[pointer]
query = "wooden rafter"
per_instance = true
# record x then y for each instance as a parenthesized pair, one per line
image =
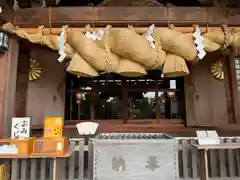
(38, 3)
(141, 30)
(130, 3)
(138, 16)
(7, 12)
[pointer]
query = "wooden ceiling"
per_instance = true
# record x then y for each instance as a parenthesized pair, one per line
(47, 3)
(149, 11)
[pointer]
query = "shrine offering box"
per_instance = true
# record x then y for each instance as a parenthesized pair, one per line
(134, 156)
(50, 146)
(16, 147)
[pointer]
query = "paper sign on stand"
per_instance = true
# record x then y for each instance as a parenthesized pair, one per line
(208, 137)
(20, 127)
(213, 137)
(87, 128)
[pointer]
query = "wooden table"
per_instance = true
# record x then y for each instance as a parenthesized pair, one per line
(54, 158)
(203, 171)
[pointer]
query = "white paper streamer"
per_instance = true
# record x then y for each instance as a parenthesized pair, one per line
(199, 43)
(62, 47)
(149, 36)
(15, 5)
(95, 35)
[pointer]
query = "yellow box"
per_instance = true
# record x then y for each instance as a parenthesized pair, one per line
(53, 126)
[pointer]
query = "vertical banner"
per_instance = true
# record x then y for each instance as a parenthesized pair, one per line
(53, 126)
(20, 127)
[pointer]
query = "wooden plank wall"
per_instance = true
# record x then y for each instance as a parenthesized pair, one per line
(224, 164)
(22, 79)
(43, 96)
(206, 101)
(8, 76)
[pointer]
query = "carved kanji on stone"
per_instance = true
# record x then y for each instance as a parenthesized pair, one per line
(118, 163)
(152, 163)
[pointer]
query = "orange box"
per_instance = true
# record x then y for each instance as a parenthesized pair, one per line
(50, 146)
(16, 147)
(53, 126)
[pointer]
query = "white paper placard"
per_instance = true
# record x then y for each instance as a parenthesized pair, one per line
(20, 127)
(202, 137)
(208, 137)
(213, 137)
(87, 128)
(8, 149)
(172, 84)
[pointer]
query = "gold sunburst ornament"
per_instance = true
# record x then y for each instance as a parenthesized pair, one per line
(35, 70)
(217, 70)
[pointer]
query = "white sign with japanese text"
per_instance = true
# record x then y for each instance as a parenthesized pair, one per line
(208, 137)
(20, 127)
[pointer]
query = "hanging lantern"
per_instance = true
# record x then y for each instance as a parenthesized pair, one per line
(78, 97)
(3, 41)
(171, 94)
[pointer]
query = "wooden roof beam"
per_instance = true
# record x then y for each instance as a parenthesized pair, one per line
(117, 16)
(7, 13)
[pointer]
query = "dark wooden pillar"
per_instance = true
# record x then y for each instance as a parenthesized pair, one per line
(8, 75)
(22, 79)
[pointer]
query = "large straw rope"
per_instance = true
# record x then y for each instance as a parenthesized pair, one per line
(171, 41)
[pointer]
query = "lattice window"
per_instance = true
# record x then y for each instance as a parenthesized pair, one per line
(237, 67)
(114, 97)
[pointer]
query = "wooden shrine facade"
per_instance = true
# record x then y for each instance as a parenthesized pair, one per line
(209, 103)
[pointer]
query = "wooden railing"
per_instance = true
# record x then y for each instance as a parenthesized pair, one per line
(71, 168)
(224, 164)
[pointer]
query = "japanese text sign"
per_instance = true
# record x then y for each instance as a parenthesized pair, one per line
(20, 127)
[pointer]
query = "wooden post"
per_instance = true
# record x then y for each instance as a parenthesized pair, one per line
(55, 169)
(4, 172)
(22, 79)
(8, 75)
(203, 165)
